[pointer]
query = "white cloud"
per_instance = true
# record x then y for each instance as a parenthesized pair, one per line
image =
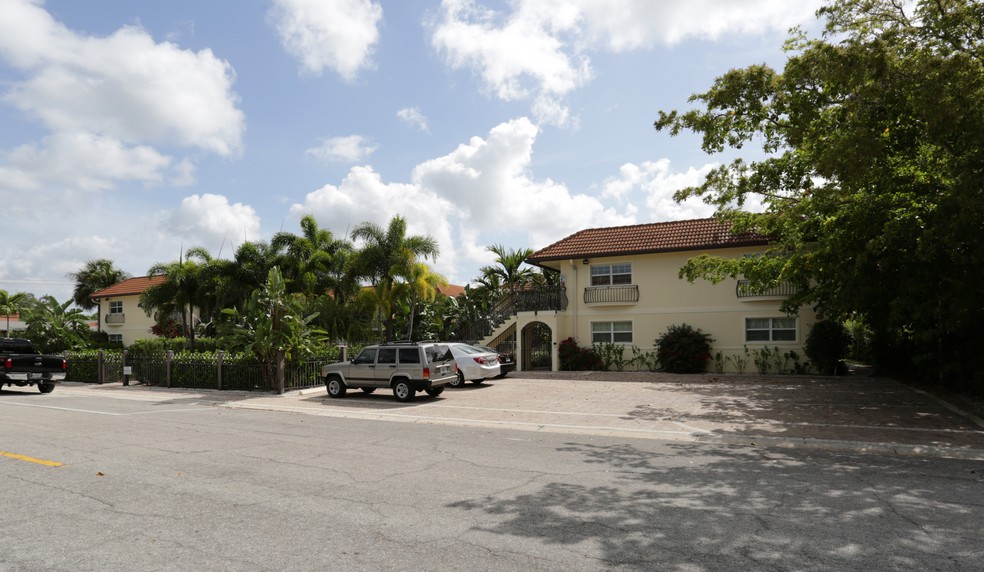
(466, 200)
(413, 116)
(538, 50)
(124, 86)
(210, 221)
(490, 180)
(517, 57)
(363, 196)
(335, 34)
(658, 184)
(349, 149)
(106, 100)
(620, 25)
(83, 161)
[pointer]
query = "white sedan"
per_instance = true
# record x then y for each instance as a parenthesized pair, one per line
(474, 364)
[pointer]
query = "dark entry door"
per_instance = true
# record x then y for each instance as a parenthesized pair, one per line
(536, 347)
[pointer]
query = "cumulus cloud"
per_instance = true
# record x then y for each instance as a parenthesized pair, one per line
(463, 197)
(349, 149)
(538, 50)
(657, 183)
(108, 102)
(413, 116)
(334, 34)
(210, 220)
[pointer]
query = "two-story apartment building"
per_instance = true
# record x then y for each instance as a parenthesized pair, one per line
(622, 285)
(120, 315)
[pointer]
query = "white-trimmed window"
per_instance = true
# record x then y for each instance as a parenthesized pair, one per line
(611, 274)
(116, 338)
(770, 329)
(611, 332)
(116, 307)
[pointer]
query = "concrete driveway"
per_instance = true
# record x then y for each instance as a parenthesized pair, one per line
(853, 413)
(844, 413)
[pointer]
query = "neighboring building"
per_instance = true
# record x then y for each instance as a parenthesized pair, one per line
(16, 327)
(622, 285)
(120, 315)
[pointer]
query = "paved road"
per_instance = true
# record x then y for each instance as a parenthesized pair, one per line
(177, 480)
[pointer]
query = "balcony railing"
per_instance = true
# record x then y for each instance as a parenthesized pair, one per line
(621, 294)
(744, 289)
(115, 318)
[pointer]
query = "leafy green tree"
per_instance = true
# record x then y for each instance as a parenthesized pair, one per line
(55, 327)
(872, 137)
(273, 326)
(388, 257)
(13, 304)
(92, 277)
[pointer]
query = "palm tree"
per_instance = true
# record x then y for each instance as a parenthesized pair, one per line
(12, 304)
(421, 286)
(92, 277)
(315, 260)
(53, 327)
(510, 269)
(181, 293)
(388, 256)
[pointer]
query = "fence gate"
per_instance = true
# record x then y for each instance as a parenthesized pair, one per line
(536, 347)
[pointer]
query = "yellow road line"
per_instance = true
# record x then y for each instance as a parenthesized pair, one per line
(30, 459)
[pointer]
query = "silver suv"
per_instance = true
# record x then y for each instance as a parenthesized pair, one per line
(405, 367)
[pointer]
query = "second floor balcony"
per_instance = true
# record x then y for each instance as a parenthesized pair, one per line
(615, 294)
(745, 291)
(117, 318)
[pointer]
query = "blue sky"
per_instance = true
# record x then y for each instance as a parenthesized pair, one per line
(134, 129)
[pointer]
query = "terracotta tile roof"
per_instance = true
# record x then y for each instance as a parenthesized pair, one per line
(452, 290)
(697, 234)
(129, 287)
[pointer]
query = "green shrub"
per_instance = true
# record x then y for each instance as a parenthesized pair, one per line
(612, 355)
(826, 345)
(575, 358)
(682, 349)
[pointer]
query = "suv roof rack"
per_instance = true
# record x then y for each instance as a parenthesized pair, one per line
(407, 342)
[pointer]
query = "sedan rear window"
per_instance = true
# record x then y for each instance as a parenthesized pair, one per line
(438, 353)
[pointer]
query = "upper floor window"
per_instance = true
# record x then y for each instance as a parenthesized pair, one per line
(116, 307)
(610, 274)
(770, 329)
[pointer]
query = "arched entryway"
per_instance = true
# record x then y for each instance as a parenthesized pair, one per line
(537, 347)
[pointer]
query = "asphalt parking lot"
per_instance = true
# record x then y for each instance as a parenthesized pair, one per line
(848, 413)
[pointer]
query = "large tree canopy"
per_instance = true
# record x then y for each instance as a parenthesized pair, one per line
(873, 174)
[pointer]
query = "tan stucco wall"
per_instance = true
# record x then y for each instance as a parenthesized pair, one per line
(136, 325)
(665, 300)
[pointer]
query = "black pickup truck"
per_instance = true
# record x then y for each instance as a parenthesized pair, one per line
(23, 366)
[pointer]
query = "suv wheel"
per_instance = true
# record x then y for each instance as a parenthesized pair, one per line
(335, 386)
(403, 391)
(458, 381)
